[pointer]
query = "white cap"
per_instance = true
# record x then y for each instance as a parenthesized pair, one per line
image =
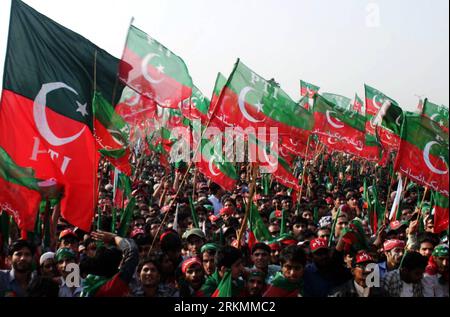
(46, 256)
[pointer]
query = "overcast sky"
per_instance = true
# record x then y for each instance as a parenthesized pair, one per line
(400, 47)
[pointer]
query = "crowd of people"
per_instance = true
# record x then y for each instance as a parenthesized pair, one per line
(166, 252)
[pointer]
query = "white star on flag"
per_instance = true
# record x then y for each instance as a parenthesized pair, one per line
(160, 69)
(259, 106)
(82, 109)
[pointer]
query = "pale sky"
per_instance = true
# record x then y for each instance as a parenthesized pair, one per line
(400, 47)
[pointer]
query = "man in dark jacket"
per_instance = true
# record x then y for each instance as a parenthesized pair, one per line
(362, 265)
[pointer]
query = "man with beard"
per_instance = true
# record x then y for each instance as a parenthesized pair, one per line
(326, 271)
(255, 283)
(393, 249)
(14, 282)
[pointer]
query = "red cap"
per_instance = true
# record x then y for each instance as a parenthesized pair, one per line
(274, 246)
(318, 243)
(226, 211)
(67, 232)
(393, 243)
(136, 232)
(289, 242)
(329, 200)
(213, 218)
(188, 262)
(363, 257)
(394, 225)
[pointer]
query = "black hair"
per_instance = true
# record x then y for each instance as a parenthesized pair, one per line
(227, 256)
(298, 219)
(214, 188)
(414, 260)
(20, 244)
(106, 262)
(151, 259)
(171, 241)
(43, 287)
(293, 253)
(261, 246)
(428, 237)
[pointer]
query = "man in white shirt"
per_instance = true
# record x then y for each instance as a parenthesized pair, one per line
(216, 193)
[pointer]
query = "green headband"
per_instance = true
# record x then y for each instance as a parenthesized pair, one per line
(65, 253)
(441, 251)
(209, 247)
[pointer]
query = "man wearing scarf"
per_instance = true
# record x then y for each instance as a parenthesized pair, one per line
(435, 280)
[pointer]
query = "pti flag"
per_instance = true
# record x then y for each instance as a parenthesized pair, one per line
(154, 71)
(46, 117)
(423, 153)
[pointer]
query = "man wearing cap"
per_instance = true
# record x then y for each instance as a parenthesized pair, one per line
(47, 264)
(14, 282)
(255, 283)
(261, 261)
(393, 250)
(357, 287)
(208, 252)
(397, 230)
(227, 259)
(435, 279)
(69, 239)
(326, 270)
(192, 277)
(195, 239)
(406, 281)
(64, 257)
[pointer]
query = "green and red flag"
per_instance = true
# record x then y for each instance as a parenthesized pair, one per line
(339, 100)
(154, 71)
(383, 111)
(249, 101)
(19, 192)
(112, 134)
(308, 90)
(225, 287)
(438, 114)
(338, 125)
(440, 212)
(46, 117)
(212, 163)
(269, 160)
(257, 228)
(134, 108)
(423, 153)
(196, 107)
(358, 105)
(214, 111)
(121, 190)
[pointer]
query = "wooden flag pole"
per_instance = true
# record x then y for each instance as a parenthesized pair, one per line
(305, 163)
(248, 206)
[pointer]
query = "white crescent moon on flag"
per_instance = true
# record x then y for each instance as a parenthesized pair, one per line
(133, 100)
(331, 122)
(374, 102)
(144, 69)
(292, 142)
(241, 102)
(272, 164)
(40, 118)
(359, 146)
(331, 142)
(211, 167)
(433, 117)
(426, 157)
(397, 121)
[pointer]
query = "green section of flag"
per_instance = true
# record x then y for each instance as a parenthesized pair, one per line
(340, 101)
(268, 97)
(438, 114)
(144, 45)
(15, 174)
